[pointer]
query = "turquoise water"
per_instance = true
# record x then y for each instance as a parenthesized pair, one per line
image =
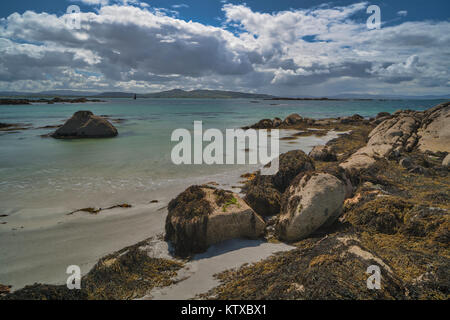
(40, 172)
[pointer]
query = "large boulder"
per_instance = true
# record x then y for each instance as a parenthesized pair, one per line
(262, 196)
(323, 153)
(311, 201)
(263, 193)
(434, 134)
(201, 216)
(84, 124)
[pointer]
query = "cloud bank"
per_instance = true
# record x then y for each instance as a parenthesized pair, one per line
(319, 51)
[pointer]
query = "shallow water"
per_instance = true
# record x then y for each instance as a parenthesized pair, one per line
(38, 173)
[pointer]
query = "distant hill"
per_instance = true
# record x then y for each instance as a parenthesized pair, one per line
(200, 94)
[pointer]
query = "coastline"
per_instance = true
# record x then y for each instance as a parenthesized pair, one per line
(239, 255)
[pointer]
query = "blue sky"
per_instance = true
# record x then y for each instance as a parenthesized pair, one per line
(207, 11)
(284, 47)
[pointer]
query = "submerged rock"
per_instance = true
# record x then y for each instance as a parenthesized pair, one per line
(309, 203)
(84, 124)
(201, 216)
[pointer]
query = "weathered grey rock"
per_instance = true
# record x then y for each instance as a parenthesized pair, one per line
(446, 161)
(201, 216)
(293, 119)
(323, 153)
(434, 133)
(84, 124)
(392, 134)
(309, 203)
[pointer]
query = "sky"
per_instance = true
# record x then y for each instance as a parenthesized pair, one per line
(283, 47)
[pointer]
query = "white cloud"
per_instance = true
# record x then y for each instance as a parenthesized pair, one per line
(402, 13)
(179, 6)
(316, 51)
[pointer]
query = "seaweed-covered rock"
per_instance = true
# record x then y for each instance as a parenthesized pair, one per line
(293, 119)
(201, 216)
(84, 124)
(310, 202)
(262, 196)
(263, 193)
(277, 122)
(290, 165)
(383, 214)
(323, 153)
(334, 267)
(352, 119)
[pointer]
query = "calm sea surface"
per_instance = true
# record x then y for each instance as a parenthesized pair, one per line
(40, 172)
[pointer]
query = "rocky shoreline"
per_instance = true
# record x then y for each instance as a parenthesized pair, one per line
(19, 101)
(378, 195)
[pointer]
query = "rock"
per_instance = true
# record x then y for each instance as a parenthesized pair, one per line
(323, 153)
(418, 170)
(310, 202)
(353, 119)
(84, 124)
(262, 196)
(14, 101)
(291, 164)
(293, 119)
(201, 216)
(277, 122)
(446, 161)
(264, 124)
(405, 163)
(434, 133)
(4, 289)
(382, 115)
(263, 193)
(390, 135)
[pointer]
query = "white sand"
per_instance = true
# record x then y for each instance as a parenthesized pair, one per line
(198, 274)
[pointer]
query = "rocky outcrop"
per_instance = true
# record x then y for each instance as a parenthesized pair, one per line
(392, 134)
(312, 200)
(293, 119)
(201, 216)
(263, 193)
(434, 133)
(428, 131)
(323, 153)
(84, 124)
